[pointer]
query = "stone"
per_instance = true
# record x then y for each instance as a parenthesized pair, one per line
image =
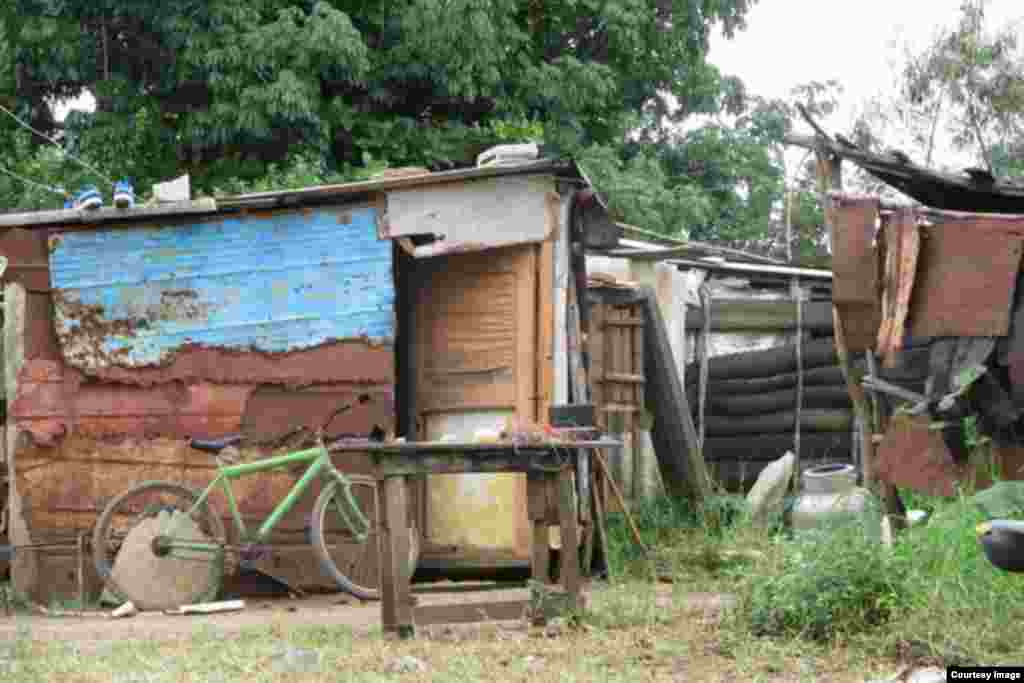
(406, 664)
(297, 660)
(767, 495)
(160, 582)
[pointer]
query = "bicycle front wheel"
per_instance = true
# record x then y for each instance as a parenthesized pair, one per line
(134, 553)
(353, 563)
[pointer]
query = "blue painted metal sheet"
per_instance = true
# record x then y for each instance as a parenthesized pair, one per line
(273, 283)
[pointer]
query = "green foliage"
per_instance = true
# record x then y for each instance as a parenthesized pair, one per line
(224, 89)
(663, 522)
(826, 583)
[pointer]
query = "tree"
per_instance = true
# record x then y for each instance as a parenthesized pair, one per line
(223, 89)
(973, 78)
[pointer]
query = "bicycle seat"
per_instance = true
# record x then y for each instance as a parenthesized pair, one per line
(215, 445)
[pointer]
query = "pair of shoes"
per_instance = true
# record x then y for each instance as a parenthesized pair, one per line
(89, 197)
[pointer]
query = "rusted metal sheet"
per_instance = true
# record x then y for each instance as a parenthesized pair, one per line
(285, 282)
(27, 259)
(354, 362)
(966, 281)
(52, 403)
(271, 411)
(912, 456)
(854, 257)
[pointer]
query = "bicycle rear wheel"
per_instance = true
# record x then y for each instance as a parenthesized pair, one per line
(134, 568)
(354, 564)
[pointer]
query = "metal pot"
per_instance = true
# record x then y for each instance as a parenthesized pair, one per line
(830, 494)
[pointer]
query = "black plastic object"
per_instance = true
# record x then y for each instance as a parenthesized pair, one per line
(1003, 544)
(215, 445)
(572, 415)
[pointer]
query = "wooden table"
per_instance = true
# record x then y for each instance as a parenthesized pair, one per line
(550, 493)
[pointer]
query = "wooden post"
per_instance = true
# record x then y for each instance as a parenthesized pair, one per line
(537, 510)
(396, 598)
(567, 522)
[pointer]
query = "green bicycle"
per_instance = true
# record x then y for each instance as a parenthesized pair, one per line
(175, 544)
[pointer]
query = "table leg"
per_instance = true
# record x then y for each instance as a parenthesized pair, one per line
(537, 504)
(396, 600)
(568, 523)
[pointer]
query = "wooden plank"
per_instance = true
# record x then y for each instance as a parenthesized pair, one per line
(683, 472)
(464, 613)
(636, 369)
(596, 343)
(545, 329)
(760, 314)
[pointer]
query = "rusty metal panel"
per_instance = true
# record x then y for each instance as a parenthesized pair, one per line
(854, 257)
(27, 262)
(912, 456)
(134, 297)
(965, 282)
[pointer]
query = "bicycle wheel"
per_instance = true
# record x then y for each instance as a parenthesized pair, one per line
(353, 564)
(131, 562)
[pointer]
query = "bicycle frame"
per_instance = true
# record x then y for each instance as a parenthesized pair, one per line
(320, 462)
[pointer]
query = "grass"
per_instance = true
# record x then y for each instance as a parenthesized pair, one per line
(933, 598)
(828, 606)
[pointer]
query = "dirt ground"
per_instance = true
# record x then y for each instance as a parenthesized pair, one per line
(319, 610)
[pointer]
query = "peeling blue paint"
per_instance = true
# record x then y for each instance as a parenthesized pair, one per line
(272, 283)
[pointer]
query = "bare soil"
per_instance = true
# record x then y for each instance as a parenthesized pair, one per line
(315, 610)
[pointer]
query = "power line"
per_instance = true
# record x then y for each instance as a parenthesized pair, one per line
(48, 188)
(57, 144)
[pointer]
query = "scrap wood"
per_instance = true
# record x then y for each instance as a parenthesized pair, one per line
(606, 471)
(209, 607)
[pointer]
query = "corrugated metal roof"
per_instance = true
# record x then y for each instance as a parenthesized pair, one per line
(273, 284)
(325, 192)
(295, 197)
(754, 268)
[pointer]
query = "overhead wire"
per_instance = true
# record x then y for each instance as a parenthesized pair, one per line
(27, 181)
(57, 144)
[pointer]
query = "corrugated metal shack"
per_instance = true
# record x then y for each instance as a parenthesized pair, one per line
(444, 295)
(736, 314)
(934, 291)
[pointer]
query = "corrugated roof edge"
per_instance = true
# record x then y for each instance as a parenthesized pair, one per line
(106, 215)
(297, 197)
(321, 192)
(759, 268)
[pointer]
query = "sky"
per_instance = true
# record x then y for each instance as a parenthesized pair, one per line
(859, 44)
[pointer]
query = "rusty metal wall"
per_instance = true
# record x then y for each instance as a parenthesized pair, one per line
(87, 433)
